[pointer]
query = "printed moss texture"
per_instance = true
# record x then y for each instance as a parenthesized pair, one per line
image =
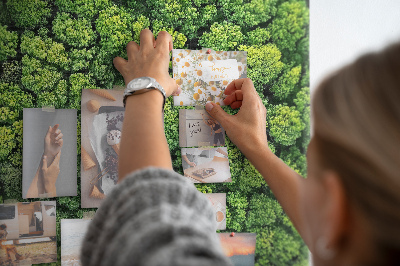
(51, 50)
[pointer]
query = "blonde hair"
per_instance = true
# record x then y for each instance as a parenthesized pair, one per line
(356, 115)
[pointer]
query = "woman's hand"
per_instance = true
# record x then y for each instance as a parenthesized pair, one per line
(50, 174)
(150, 59)
(246, 129)
(53, 143)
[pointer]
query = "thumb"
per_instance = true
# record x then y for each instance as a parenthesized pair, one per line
(218, 113)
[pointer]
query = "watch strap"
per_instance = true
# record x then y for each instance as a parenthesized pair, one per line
(154, 85)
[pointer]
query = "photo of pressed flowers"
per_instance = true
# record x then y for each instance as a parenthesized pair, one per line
(204, 74)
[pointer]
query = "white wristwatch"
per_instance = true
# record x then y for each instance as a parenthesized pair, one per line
(142, 85)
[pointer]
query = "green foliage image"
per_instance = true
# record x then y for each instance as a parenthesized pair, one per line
(51, 50)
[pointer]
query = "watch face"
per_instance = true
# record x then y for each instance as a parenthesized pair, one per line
(140, 83)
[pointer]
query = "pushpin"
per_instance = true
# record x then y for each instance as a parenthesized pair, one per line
(232, 234)
(209, 51)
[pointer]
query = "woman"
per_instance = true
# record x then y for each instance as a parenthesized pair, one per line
(217, 129)
(347, 210)
(12, 254)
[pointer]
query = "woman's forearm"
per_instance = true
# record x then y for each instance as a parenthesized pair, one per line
(284, 182)
(37, 186)
(143, 141)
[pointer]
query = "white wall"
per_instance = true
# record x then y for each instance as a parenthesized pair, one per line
(341, 30)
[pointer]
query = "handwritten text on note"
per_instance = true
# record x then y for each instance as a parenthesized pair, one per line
(219, 70)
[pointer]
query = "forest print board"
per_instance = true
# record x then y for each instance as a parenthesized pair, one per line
(52, 50)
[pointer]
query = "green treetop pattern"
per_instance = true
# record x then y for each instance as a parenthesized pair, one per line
(51, 50)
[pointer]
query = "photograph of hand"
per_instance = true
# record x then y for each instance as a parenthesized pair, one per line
(44, 182)
(49, 153)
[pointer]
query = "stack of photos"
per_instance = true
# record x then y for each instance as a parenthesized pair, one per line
(204, 74)
(49, 153)
(239, 247)
(102, 117)
(206, 165)
(198, 128)
(72, 234)
(218, 201)
(28, 233)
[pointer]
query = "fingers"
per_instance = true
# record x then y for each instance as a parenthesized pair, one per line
(217, 113)
(131, 48)
(235, 99)
(48, 132)
(58, 137)
(119, 64)
(147, 41)
(54, 129)
(164, 41)
(177, 92)
(60, 142)
(245, 85)
(44, 163)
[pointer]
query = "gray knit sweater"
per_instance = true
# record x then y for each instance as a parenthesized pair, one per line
(154, 217)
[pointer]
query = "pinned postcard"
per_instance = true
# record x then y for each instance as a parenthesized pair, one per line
(73, 232)
(204, 74)
(102, 116)
(49, 153)
(197, 128)
(240, 248)
(28, 233)
(218, 201)
(206, 165)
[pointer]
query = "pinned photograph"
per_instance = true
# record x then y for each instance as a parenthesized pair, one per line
(206, 165)
(102, 116)
(49, 153)
(204, 74)
(28, 233)
(72, 234)
(239, 247)
(218, 201)
(198, 128)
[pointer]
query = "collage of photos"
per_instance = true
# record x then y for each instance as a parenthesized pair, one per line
(28, 233)
(240, 248)
(206, 165)
(204, 74)
(102, 116)
(198, 128)
(72, 234)
(49, 153)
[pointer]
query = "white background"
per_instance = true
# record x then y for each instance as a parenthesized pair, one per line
(341, 30)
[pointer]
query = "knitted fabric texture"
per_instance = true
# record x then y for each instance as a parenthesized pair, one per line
(153, 217)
